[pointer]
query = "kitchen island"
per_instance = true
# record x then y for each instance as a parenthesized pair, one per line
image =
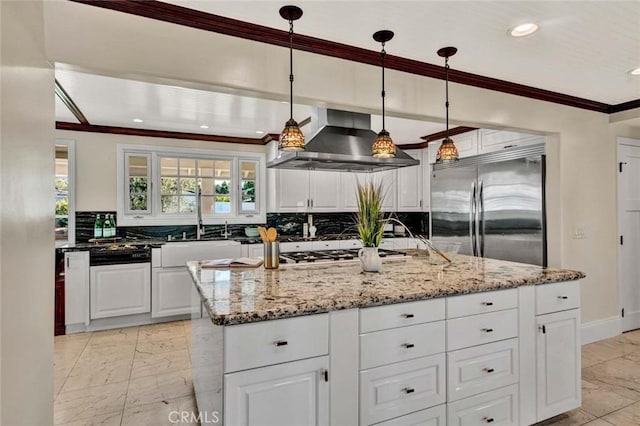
(476, 341)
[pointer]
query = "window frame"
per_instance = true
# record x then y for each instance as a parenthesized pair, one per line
(127, 195)
(156, 217)
(71, 192)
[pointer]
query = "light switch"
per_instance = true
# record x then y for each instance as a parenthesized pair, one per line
(578, 233)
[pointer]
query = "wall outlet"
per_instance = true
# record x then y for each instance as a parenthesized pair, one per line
(578, 233)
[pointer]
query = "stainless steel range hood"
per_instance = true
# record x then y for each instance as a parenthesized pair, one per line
(341, 143)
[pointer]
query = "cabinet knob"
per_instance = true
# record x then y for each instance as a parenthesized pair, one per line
(408, 345)
(488, 330)
(563, 297)
(407, 315)
(487, 303)
(281, 343)
(488, 419)
(408, 390)
(488, 370)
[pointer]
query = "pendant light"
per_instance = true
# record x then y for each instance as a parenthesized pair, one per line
(383, 146)
(291, 138)
(447, 152)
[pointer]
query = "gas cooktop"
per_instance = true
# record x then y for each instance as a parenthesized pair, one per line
(316, 256)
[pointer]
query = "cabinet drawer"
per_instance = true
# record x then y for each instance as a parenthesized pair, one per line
(401, 388)
(436, 416)
(498, 407)
(400, 344)
(272, 342)
(480, 329)
(401, 314)
(480, 303)
(325, 245)
(350, 244)
(299, 246)
(481, 368)
(557, 297)
(387, 244)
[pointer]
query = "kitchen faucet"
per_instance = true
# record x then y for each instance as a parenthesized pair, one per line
(199, 225)
(226, 234)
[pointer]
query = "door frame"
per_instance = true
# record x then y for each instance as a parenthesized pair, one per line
(620, 141)
(71, 179)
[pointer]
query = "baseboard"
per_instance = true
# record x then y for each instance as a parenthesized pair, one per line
(601, 329)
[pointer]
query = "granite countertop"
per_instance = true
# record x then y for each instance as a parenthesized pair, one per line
(236, 296)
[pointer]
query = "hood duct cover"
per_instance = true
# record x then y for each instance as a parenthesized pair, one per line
(341, 143)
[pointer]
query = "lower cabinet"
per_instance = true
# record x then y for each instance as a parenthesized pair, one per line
(171, 292)
(436, 416)
(558, 363)
(498, 407)
(76, 292)
(291, 394)
(120, 290)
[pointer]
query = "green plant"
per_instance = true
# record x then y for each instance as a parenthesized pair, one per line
(370, 220)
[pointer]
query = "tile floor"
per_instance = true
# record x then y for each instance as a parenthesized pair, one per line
(138, 375)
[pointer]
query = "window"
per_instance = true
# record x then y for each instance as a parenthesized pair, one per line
(63, 188)
(164, 186)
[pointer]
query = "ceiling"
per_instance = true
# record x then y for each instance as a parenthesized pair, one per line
(583, 48)
(110, 101)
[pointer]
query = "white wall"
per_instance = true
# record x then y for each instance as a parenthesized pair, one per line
(26, 218)
(582, 180)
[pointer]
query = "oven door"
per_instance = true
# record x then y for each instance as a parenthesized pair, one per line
(121, 289)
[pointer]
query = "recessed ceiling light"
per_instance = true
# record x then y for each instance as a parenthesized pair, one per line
(137, 120)
(523, 29)
(635, 71)
(259, 132)
(204, 126)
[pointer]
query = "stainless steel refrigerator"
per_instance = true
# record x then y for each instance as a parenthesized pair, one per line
(493, 204)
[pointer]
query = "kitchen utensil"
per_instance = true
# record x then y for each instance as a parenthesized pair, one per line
(251, 232)
(263, 234)
(272, 234)
(271, 255)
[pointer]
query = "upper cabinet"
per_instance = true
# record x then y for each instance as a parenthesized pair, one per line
(496, 140)
(467, 144)
(307, 191)
(410, 184)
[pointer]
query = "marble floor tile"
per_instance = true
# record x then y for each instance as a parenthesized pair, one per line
(97, 373)
(115, 336)
(108, 352)
(620, 376)
(149, 389)
(145, 364)
(629, 416)
(168, 412)
(112, 419)
(90, 402)
(598, 422)
(600, 401)
(161, 332)
(156, 346)
(595, 353)
(575, 417)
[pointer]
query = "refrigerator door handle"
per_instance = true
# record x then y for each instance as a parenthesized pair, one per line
(480, 220)
(472, 220)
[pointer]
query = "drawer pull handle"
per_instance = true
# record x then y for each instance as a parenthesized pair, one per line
(408, 345)
(408, 390)
(488, 419)
(488, 370)
(281, 343)
(407, 315)
(563, 297)
(488, 330)
(487, 303)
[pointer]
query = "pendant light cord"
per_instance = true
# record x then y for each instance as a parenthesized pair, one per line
(291, 68)
(446, 76)
(383, 53)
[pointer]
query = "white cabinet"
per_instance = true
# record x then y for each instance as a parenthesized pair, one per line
(307, 190)
(76, 288)
(388, 178)
(436, 416)
(498, 407)
(496, 140)
(120, 290)
(255, 250)
(171, 292)
(348, 188)
(290, 394)
(558, 363)
(467, 144)
(409, 187)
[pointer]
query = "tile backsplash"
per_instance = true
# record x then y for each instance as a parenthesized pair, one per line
(286, 224)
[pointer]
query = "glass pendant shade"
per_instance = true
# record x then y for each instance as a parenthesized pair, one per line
(383, 146)
(291, 138)
(447, 152)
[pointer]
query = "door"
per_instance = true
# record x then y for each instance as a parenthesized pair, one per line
(120, 290)
(292, 190)
(510, 203)
(76, 292)
(629, 224)
(558, 363)
(324, 190)
(452, 195)
(171, 292)
(410, 186)
(290, 394)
